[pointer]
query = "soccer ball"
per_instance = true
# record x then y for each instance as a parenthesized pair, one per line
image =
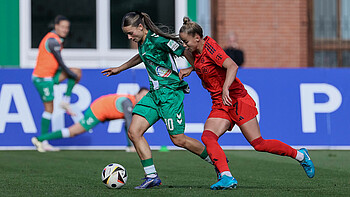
(114, 176)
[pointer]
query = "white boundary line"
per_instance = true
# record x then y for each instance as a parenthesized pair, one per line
(169, 147)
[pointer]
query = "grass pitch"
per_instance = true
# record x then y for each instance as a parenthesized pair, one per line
(78, 173)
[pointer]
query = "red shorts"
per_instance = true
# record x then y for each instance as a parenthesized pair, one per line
(241, 111)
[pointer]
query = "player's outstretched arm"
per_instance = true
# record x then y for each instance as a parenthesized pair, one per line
(129, 64)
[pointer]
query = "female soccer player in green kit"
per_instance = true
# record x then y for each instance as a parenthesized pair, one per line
(165, 99)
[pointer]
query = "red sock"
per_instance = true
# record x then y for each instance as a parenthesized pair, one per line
(215, 151)
(274, 147)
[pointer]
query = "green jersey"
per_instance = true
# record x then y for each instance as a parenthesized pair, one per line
(157, 53)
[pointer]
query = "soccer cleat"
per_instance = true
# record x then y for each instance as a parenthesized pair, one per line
(226, 182)
(150, 182)
(38, 145)
(64, 105)
(307, 164)
(48, 147)
(218, 174)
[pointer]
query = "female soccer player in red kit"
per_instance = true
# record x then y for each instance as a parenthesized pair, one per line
(231, 105)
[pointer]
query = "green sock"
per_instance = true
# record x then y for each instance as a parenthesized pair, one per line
(45, 125)
(70, 85)
(50, 136)
(204, 154)
(147, 162)
(148, 167)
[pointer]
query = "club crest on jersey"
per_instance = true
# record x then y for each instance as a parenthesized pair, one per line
(163, 72)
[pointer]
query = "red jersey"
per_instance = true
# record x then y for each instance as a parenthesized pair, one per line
(209, 69)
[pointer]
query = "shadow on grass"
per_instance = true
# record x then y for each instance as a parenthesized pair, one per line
(186, 186)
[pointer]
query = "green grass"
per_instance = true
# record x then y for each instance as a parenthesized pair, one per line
(78, 173)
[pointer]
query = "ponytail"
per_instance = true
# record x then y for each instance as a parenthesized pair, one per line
(136, 18)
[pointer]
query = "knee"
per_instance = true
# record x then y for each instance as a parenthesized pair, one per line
(208, 136)
(179, 141)
(132, 134)
(204, 139)
(258, 144)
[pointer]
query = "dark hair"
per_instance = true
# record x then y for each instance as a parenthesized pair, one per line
(142, 89)
(135, 18)
(60, 18)
(191, 28)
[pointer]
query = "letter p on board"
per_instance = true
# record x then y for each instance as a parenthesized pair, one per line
(309, 107)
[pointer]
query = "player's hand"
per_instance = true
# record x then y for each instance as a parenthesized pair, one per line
(111, 71)
(226, 99)
(185, 72)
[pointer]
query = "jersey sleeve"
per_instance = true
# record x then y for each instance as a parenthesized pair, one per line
(55, 48)
(127, 110)
(216, 53)
(171, 46)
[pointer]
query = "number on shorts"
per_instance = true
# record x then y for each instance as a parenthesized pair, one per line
(169, 123)
(46, 91)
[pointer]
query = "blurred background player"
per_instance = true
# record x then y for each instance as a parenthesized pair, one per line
(231, 105)
(165, 99)
(51, 70)
(107, 107)
(232, 49)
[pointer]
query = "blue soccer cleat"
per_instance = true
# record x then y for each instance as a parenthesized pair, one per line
(150, 182)
(226, 182)
(307, 164)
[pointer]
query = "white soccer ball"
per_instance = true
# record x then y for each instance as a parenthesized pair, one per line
(114, 176)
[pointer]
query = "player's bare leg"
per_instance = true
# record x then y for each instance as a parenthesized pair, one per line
(191, 144)
(138, 127)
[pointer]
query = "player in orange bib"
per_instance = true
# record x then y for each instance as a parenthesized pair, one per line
(104, 108)
(51, 70)
(231, 105)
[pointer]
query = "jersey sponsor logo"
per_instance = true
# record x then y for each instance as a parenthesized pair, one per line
(163, 72)
(173, 45)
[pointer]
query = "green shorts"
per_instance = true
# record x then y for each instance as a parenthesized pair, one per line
(89, 121)
(166, 104)
(45, 86)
